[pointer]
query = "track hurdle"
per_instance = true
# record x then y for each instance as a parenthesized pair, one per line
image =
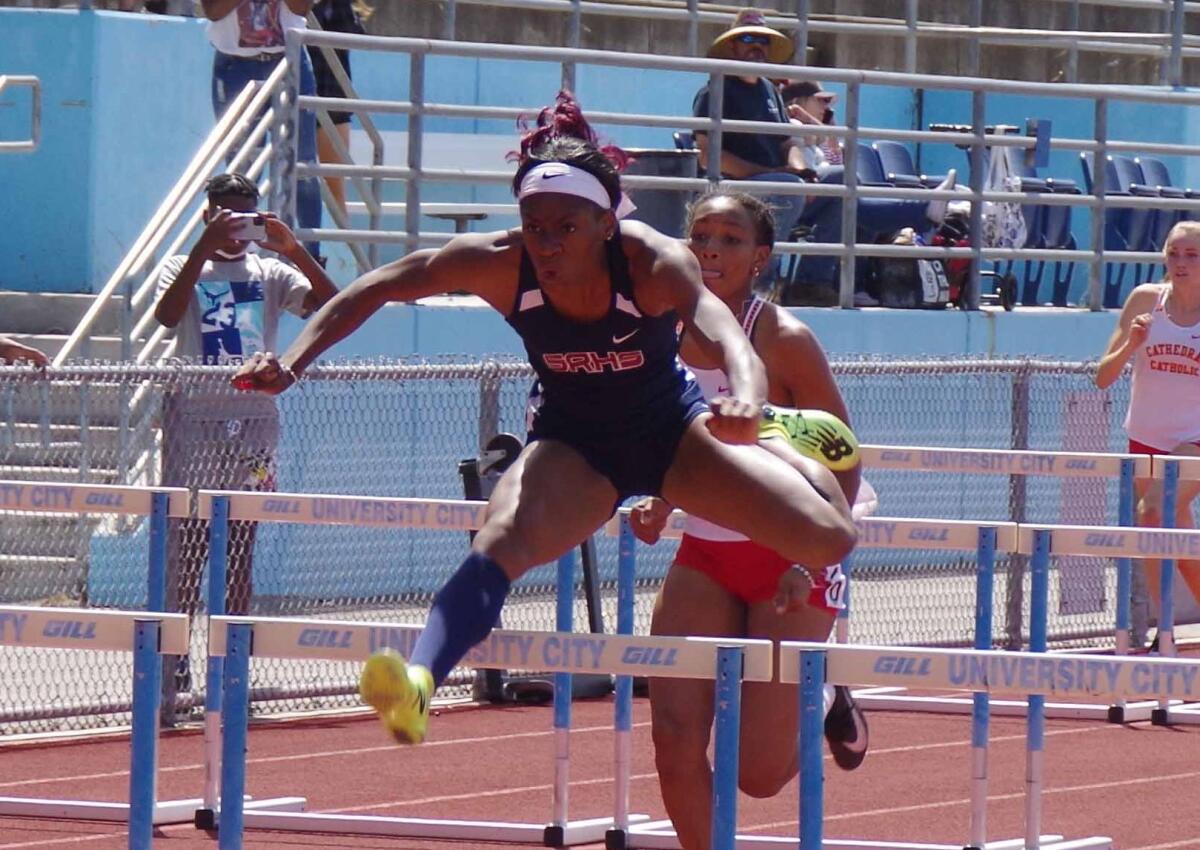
(1125, 468)
(878, 532)
(1128, 543)
(444, 515)
(236, 639)
(1077, 465)
(147, 636)
(1079, 677)
(1172, 470)
(92, 629)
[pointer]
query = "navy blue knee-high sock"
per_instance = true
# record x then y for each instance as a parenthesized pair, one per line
(464, 611)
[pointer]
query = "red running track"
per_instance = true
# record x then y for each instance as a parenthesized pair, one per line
(1136, 783)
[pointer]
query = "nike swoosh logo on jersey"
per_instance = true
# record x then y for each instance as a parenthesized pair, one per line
(722, 390)
(617, 340)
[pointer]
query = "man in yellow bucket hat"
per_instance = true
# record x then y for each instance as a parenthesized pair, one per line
(750, 33)
(756, 156)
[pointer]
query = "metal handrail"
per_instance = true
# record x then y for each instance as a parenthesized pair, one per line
(370, 196)
(35, 120)
(248, 103)
(1100, 96)
(910, 29)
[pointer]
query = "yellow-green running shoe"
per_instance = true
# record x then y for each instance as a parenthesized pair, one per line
(399, 692)
(816, 434)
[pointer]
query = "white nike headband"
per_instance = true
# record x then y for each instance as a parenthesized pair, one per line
(562, 178)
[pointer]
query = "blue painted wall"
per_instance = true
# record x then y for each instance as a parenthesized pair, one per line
(44, 205)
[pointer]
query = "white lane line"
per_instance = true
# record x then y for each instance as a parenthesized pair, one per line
(58, 842)
(182, 768)
(918, 807)
(313, 755)
(446, 798)
(1171, 845)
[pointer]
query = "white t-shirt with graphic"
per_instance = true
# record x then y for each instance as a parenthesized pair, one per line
(235, 308)
(255, 26)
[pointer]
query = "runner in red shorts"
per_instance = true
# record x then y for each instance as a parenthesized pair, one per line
(721, 583)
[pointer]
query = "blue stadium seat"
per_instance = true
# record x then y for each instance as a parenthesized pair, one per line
(870, 167)
(1158, 177)
(898, 168)
(1124, 229)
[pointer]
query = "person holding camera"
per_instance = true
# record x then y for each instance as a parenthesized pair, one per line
(224, 301)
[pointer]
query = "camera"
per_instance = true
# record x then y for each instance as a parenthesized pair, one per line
(827, 118)
(249, 227)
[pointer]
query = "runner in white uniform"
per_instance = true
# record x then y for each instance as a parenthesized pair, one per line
(722, 584)
(1159, 331)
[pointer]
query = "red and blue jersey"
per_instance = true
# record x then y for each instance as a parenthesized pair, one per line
(613, 387)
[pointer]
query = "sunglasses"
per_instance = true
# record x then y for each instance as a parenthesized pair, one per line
(751, 38)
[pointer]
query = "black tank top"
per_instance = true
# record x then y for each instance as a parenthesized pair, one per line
(620, 369)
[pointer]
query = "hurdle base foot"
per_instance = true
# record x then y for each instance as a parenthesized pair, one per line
(554, 836)
(616, 839)
(1160, 717)
(205, 819)
(1116, 714)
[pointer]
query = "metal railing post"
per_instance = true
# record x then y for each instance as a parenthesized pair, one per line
(416, 130)
(1073, 52)
(911, 15)
(978, 146)
(974, 57)
(693, 7)
(449, 19)
(286, 104)
(1017, 506)
(800, 50)
(850, 201)
(1099, 190)
(1175, 75)
(716, 108)
(574, 29)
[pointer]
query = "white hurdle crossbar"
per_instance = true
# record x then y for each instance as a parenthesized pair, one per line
(238, 638)
(147, 635)
(1081, 677)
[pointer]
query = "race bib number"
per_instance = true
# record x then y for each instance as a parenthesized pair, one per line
(829, 589)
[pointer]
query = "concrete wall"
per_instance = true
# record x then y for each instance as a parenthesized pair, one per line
(125, 104)
(497, 24)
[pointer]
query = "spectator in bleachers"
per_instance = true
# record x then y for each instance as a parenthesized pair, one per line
(248, 39)
(336, 16)
(776, 158)
(12, 351)
(808, 103)
(1156, 331)
(224, 304)
(756, 156)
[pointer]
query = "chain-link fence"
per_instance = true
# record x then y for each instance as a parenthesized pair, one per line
(401, 429)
